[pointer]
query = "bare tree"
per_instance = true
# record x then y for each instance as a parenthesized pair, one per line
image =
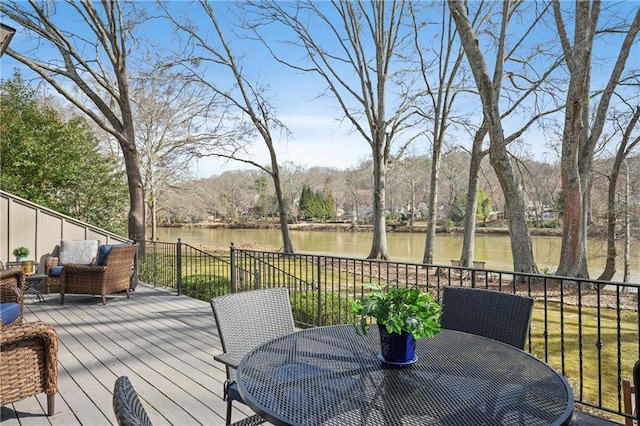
(246, 97)
(489, 89)
(580, 136)
(172, 128)
(442, 89)
(357, 68)
(88, 66)
(627, 144)
(493, 91)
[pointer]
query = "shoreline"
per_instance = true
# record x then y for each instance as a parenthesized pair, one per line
(349, 227)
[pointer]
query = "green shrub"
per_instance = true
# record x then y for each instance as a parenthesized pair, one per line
(204, 287)
(336, 307)
(549, 224)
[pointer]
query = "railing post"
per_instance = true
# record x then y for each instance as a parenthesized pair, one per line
(319, 286)
(155, 263)
(133, 280)
(232, 265)
(179, 263)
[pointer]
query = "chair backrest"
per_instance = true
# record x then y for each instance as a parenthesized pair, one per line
(250, 318)
(119, 261)
(500, 316)
(126, 404)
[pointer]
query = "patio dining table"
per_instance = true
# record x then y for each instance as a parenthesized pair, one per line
(332, 376)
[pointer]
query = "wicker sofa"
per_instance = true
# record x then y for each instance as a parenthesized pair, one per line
(29, 363)
(111, 275)
(12, 282)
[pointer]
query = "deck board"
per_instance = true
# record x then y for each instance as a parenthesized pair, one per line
(163, 342)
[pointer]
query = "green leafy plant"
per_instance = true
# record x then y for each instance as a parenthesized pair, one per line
(21, 251)
(398, 309)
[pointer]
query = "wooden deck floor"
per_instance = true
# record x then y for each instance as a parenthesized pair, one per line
(164, 343)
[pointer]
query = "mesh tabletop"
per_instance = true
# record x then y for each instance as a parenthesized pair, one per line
(332, 376)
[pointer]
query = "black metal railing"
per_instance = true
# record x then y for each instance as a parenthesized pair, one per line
(587, 329)
(184, 268)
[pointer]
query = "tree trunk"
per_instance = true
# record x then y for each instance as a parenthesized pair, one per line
(612, 211)
(627, 230)
(137, 229)
(521, 245)
(573, 246)
(578, 144)
(431, 208)
(610, 264)
(469, 236)
(379, 248)
(287, 245)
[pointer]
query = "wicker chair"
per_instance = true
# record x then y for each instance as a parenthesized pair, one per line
(500, 316)
(12, 284)
(29, 363)
(112, 277)
(246, 320)
(130, 412)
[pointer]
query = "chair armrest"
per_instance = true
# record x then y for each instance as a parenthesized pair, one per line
(227, 360)
(36, 333)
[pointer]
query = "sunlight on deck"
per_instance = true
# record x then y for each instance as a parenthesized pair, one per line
(164, 343)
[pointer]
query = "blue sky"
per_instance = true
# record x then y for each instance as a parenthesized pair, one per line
(317, 137)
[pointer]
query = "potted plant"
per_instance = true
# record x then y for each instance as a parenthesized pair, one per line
(21, 253)
(403, 315)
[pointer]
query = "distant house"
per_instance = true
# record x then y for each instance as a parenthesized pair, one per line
(544, 213)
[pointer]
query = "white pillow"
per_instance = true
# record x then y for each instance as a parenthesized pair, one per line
(82, 252)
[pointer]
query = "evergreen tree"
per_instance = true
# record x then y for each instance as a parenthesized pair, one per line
(57, 163)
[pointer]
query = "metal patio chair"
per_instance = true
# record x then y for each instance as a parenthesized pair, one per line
(127, 406)
(246, 320)
(129, 410)
(500, 316)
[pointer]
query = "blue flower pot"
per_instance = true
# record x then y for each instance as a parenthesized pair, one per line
(397, 348)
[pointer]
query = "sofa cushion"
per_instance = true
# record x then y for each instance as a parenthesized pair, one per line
(103, 250)
(55, 271)
(82, 252)
(9, 312)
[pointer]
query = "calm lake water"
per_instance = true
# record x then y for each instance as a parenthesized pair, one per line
(409, 247)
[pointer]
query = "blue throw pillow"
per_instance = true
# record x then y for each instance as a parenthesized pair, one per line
(9, 312)
(55, 271)
(103, 250)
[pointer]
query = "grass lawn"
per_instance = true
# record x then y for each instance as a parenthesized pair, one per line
(587, 367)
